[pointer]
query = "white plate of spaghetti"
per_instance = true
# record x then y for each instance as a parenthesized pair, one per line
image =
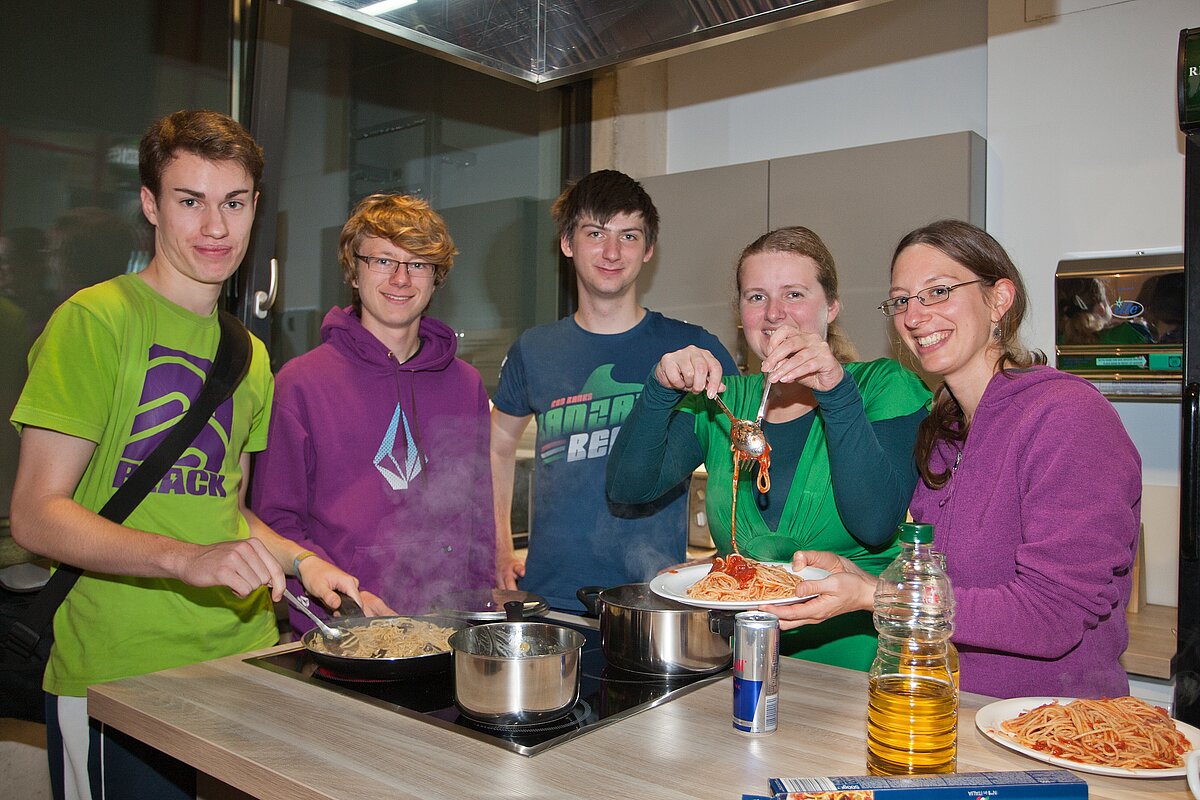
(674, 585)
(1121, 737)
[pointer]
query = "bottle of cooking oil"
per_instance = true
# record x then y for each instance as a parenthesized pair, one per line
(912, 711)
(951, 649)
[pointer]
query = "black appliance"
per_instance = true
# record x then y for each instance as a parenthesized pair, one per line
(1185, 666)
(606, 695)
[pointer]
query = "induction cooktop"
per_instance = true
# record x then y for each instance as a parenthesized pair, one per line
(606, 694)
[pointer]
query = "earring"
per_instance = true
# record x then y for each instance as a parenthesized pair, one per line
(996, 333)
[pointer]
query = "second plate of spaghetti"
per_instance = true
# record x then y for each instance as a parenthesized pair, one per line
(674, 586)
(991, 717)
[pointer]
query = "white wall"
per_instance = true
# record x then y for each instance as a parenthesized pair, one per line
(901, 70)
(1077, 109)
(1085, 154)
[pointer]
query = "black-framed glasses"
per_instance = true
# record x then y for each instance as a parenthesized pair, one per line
(929, 296)
(390, 266)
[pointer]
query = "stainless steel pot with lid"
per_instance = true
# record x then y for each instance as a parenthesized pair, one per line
(643, 632)
(515, 673)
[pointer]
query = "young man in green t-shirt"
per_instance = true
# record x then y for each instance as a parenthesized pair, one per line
(182, 580)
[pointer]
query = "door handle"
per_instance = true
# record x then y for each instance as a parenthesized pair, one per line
(1188, 463)
(264, 300)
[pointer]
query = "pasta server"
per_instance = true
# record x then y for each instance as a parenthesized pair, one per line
(747, 437)
(336, 637)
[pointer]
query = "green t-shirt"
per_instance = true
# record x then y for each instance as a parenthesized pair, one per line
(810, 519)
(118, 364)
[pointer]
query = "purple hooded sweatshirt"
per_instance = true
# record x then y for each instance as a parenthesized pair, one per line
(1039, 525)
(382, 468)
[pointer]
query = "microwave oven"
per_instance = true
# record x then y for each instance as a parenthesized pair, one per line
(1119, 321)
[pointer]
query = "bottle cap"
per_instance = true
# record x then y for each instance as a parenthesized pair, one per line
(916, 532)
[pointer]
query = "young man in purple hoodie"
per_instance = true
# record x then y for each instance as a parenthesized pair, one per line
(378, 448)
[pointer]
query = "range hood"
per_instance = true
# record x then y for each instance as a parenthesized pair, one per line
(544, 43)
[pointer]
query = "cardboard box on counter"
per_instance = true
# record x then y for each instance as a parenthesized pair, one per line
(1028, 784)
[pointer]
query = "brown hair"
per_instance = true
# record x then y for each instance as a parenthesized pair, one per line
(1078, 298)
(801, 241)
(406, 222)
(208, 134)
(601, 196)
(976, 250)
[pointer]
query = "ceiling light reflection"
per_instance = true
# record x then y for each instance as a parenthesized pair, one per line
(384, 6)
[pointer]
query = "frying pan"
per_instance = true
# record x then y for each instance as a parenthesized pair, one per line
(379, 669)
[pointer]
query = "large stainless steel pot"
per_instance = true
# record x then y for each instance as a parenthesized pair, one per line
(516, 673)
(643, 632)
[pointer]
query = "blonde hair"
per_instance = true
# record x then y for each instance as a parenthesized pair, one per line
(404, 221)
(801, 241)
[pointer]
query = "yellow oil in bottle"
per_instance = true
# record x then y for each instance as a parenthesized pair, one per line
(952, 662)
(912, 723)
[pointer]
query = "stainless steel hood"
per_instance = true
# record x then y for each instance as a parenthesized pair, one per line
(549, 42)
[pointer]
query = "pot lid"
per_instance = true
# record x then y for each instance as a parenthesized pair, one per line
(639, 597)
(487, 605)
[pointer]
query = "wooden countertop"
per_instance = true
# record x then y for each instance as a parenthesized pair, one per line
(274, 737)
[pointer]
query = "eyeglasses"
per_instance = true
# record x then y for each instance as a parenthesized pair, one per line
(389, 266)
(930, 296)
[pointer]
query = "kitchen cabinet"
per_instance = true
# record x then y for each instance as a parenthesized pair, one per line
(1152, 641)
(274, 737)
(859, 200)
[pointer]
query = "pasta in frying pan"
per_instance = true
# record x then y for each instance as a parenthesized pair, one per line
(390, 638)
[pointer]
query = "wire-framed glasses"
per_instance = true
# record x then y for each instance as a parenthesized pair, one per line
(929, 296)
(390, 266)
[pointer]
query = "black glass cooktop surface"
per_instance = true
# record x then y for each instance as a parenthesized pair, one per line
(606, 694)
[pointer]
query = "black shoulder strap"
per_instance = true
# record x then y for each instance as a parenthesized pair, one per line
(229, 367)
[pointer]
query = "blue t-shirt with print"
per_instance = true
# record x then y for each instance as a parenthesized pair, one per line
(580, 387)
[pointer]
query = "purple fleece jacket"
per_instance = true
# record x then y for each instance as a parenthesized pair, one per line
(1039, 525)
(383, 468)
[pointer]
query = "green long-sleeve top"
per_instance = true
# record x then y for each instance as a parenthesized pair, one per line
(841, 478)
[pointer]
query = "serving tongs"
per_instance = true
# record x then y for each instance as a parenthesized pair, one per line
(747, 436)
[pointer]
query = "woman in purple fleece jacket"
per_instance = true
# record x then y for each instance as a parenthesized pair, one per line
(377, 457)
(1027, 475)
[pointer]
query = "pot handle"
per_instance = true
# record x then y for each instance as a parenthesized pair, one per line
(721, 623)
(590, 597)
(514, 611)
(348, 608)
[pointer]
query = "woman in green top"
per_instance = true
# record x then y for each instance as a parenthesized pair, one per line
(841, 433)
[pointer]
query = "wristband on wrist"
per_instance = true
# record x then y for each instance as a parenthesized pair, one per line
(300, 557)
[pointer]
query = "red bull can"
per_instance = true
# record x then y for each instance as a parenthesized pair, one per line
(755, 673)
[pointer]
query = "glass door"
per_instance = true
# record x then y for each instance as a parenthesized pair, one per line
(79, 90)
(364, 115)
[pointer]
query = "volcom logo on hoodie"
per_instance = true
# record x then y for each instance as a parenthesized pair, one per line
(172, 382)
(398, 471)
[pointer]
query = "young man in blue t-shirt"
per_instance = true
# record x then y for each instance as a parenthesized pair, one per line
(580, 376)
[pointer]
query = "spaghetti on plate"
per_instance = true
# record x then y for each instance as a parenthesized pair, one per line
(1123, 732)
(740, 579)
